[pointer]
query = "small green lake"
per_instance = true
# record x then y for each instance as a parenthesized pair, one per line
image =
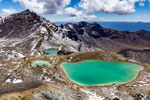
(91, 73)
(51, 51)
(41, 63)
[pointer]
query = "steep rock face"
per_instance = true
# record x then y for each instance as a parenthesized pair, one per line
(19, 25)
(92, 29)
(84, 31)
(0, 18)
(29, 34)
(125, 35)
(37, 30)
(92, 34)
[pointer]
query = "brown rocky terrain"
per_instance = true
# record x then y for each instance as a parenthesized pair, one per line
(25, 36)
(93, 34)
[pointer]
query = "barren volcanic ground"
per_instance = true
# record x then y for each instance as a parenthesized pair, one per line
(24, 38)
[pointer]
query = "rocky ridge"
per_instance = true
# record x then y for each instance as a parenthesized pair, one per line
(24, 36)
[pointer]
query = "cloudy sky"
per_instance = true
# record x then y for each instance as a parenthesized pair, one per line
(82, 10)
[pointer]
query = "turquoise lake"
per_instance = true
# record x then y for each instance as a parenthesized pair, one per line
(41, 63)
(91, 73)
(51, 51)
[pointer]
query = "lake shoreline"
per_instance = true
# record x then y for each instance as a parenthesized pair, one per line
(138, 74)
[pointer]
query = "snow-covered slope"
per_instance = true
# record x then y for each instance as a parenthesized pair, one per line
(27, 34)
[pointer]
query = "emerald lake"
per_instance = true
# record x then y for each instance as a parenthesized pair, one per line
(41, 63)
(91, 72)
(51, 51)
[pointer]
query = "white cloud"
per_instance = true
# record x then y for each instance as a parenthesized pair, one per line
(84, 10)
(33, 5)
(83, 18)
(15, 0)
(78, 15)
(8, 11)
(109, 6)
(141, 4)
(44, 6)
(73, 12)
(142, 0)
(0, 0)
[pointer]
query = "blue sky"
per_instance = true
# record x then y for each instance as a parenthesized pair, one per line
(79, 10)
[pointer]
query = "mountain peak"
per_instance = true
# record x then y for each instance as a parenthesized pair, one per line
(19, 23)
(27, 12)
(82, 23)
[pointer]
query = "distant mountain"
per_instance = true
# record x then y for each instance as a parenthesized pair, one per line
(32, 34)
(121, 26)
(96, 35)
(28, 24)
(130, 44)
(126, 26)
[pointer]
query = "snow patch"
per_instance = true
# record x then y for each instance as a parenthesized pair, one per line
(17, 81)
(8, 81)
(93, 95)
